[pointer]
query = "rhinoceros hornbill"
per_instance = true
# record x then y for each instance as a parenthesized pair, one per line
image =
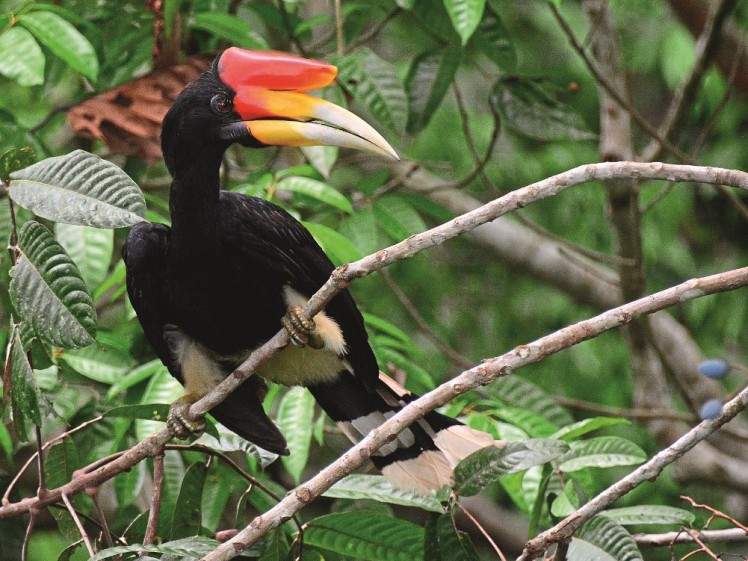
(232, 270)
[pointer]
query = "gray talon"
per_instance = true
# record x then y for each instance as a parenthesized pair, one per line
(180, 422)
(301, 331)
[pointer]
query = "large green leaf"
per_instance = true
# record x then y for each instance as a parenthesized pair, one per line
(488, 464)
(494, 40)
(295, 416)
(373, 82)
(532, 108)
(99, 362)
(161, 388)
(519, 392)
(64, 40)
(187, 515)
(24, 394)
(59, 465)
(575, 430)
(602, 539)
(339, 248)
(13, 160)
(377, 488)
(396, 217)
(465, 16)
(21, 58)
(360, 229)
(79, 188)
(602, 452)
(316, 190)
(451, 543)
(48, 292)
(135, 376)
(194, 547)
(90, 248)
(231, 27)
(428, 80)
(650, 514)
(366, 535)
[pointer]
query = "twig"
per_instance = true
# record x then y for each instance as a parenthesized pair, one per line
(104, 525)
(646, 472)
(339, 28)
(702, 549)
(40, 461)
(78, 524)
(730, 535)
(373, 31)
(49, 443)
(158, 487)
(716, 514)
(706, 47)
(27, 537)
(342, 276)
(488, 371)
(483, 531)
(635, 115)
(423, 325)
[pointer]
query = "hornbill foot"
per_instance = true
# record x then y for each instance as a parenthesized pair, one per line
(302, 331)
(179, 420)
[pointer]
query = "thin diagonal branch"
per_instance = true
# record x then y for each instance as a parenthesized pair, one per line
(488, 371)
(342, 276)
(646, 472)
(78, 524)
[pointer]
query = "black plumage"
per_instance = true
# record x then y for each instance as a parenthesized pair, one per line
(214, 286)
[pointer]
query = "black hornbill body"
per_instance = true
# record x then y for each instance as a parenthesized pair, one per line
(233, 269)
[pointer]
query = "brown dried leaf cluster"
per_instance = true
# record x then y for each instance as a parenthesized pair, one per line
(128, 117)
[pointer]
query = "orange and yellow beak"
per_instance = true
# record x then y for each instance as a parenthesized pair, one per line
(271, 102)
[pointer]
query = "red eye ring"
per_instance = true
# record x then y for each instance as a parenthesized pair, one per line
(219, 103)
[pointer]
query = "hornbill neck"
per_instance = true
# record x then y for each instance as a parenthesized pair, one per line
(193, 203)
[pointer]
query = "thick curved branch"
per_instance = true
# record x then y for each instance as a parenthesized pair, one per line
(485, 373)
(342, 276)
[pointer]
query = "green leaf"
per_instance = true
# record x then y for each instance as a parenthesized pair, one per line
(522, 393)
(465, 16)
(194, 547)
(316, 190)
(90, 248)
(79, 188)
(428, 80)
(602, 452)
(231, 27)
(532, 108)
(444, 542)
(366, 535)
(565, 503)
(374, 83)
(494, 40)
(575, 430)
(360, 229)
(650, 514)
(338, 247)
(148, 411)
(530, 422)
(21, 58)
(187, 515)
(24, 394)
(488, 464)
(64, 40)
(377, 488)
(161, 388)
(99, 362)
(15, 159)
(128, 484)
(602, 539)
(135, 376)
(322, 158)
(276, 548)
(61, 462)
(228, 441)
(295, 417)
(48, 292)
(397, 218)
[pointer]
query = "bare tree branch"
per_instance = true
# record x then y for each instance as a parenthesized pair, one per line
(648, 471)
(489, 370)
(707, 536)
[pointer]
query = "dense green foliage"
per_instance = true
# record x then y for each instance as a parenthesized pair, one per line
(446, 82)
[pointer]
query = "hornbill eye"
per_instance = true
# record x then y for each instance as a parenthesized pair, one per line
(220, 104)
